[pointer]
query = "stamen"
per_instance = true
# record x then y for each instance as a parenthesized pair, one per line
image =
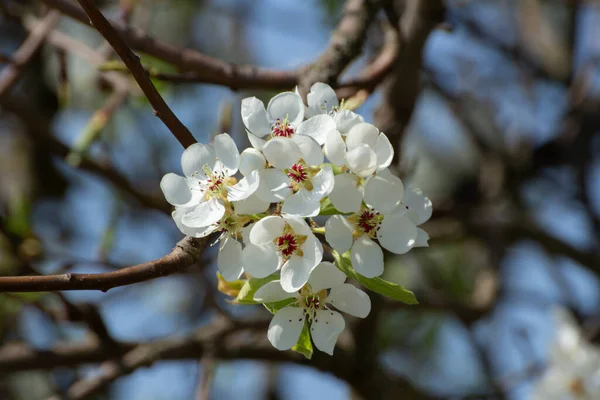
(282, 128)
(287, 244)
(298, 173)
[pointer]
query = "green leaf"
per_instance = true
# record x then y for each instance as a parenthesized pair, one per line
(377, 285)
(246, 294)
(304, 345)
(274, 307)
(327, 207)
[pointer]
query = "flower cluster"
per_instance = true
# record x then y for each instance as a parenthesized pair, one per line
(320, 159)
(573, 370)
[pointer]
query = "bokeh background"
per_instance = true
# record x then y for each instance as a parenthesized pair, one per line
(504, 139)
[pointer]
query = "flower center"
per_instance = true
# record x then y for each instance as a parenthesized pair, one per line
(287, 244)
(368, 221)
(298, 173)
(216, 182)
(282, 128)
(577, 387)
(312, 302)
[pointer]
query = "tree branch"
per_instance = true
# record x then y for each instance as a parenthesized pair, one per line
(187, 252)
(10, 74)
(208, 69)
(132, 61)
(345, 44)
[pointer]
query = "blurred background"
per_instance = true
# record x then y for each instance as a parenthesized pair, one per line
(492, 106)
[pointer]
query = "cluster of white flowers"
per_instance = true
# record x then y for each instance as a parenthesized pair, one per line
(262, 217)
(573, 370)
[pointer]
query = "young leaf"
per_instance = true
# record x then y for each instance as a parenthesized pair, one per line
(378, 285)
(246, 294)
(304, 345)
(229, 288)
(274, 307)
(327, 207)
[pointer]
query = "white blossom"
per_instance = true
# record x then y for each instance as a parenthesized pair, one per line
(283, 243)
(382, 217)
(419, 212)
(202, 195)
(322, 100)
(573, 370)
(311, 304)
(282, 119)
(364, 150)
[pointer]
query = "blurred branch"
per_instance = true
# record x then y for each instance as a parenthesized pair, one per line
(209, 70)
(403, 85)
(161, 109)
(46, 139)
(10, 73)
(345, 44)
(187, 252)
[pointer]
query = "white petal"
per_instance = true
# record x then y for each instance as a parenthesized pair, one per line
(384, 194)
(418, 204)
(346, 119)
(367, 257)
(335, 148)
(323, 183)
(321, 99)
(384, 151)
(362, 160)
(286, 105)
(229, 259)
(250, 160)
(325, 276)
(295, 273)
(186, 230)
(422, 239)
(244, 188)
(246, 233)
(266, 230)
(397, 233)
(285, 328)
(317, 127)
(256, 142)
(325, 330)
(362, 134)
(176, 189)
(196, 157)
(274, 185)
(261, 261)
(282, 153)
(311, 152)
(301, 204)
(271, 292)
(298, 224)
(313, 251)
(251, 205)
(350, 300)
(204, 214)
(227, 152)
(345, 195)
(338, 233)
(255, 117)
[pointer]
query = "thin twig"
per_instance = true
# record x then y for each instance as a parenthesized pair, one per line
(19, 60)
(161, 109)
(187, 252)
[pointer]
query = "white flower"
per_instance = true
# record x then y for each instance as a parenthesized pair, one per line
(283, 119)
(383, 217)
(364, 150)
(301, 187)
(322, 100)
(419, 212)
(573, 370)
(202, 195)
(311, 303)
(282, 242)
